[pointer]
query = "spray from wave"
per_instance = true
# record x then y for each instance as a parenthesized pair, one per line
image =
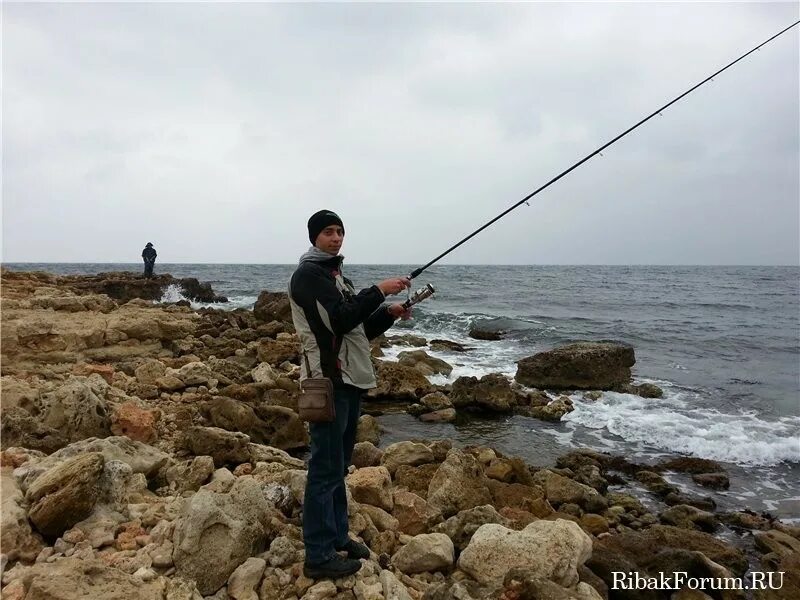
(676, 423)
(173, 293)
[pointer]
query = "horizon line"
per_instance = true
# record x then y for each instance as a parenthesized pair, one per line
(138, 264)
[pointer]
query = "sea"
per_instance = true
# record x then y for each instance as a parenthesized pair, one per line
(722, 341)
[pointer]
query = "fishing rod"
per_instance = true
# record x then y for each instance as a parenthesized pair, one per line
(417, 272)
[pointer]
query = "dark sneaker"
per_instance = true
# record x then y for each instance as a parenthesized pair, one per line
(354, 549)
(334, 568)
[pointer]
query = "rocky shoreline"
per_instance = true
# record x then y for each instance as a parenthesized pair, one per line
(152, 451)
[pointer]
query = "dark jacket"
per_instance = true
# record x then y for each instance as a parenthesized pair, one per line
(334, 322)
(149, 253)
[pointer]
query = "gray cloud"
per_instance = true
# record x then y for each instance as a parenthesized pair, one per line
(214, 130)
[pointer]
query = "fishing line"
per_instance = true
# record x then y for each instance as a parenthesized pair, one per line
(416, 272)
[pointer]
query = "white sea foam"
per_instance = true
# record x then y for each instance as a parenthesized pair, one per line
(675, 423)
(172, 293)
(233, 302)
(485, 357)
(563, 437)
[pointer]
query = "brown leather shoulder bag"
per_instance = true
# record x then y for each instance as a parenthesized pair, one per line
(315, 403)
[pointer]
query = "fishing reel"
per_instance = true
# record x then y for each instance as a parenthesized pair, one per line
(419, 296)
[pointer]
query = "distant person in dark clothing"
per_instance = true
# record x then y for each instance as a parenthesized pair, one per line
(149, 256)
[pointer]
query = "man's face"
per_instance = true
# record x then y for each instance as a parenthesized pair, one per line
(330, 239)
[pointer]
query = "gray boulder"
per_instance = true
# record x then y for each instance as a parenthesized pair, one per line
(583, 366)
(491, 392)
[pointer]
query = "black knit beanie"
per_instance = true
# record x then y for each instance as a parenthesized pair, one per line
(319, 221)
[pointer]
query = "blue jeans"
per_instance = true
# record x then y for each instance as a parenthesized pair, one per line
(325, 524)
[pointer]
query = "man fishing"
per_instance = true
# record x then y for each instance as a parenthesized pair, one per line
(335, 325)
(149, 256)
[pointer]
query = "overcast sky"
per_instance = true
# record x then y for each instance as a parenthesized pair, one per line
(215, 130)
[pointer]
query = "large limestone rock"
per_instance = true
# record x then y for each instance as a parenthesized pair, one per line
(382, 520)
(372, 485)
(398, 382)
(140, 457)
(17, 539)
(435, 401)
(642, 547)
(237, 416)
(288, 431)
(553, 550)
(260, 453)
(516, 495)
(76, 579)
(66, 494)
(149, 371)
(143, 324)
(425, 552)
(189, 475)
(221, 445)
(405, 453)
(563, 490)
(413, 514)
(76, 411)
(217, 532)
(365, 454)
(275, 352)
(415, 479)
(491, 392)
(424, 362)
(264, 373)
(125, 286)
(245, 579)
(273, 306)
(194, 373)
(71, 303)
(584, 365)
(47, 336)
(458, 484)
(368, 430)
